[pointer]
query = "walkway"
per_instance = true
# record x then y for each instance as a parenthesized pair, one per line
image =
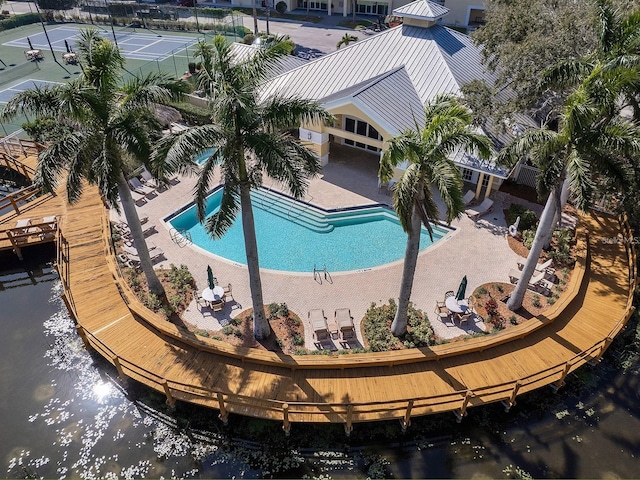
(345, 389)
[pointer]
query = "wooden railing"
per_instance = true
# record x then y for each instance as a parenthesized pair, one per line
(15, 146)
(344, 412)
(13, 163)
(16, 199)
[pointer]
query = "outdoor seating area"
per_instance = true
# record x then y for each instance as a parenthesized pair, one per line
(474, 213)
(34, 55)
(214, 297)
(455, 306)
(538, 283)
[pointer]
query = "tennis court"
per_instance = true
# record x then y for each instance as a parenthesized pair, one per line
(8, 93)
(134, 45)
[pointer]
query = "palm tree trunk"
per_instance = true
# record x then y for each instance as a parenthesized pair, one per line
(557, 216)
(545, 227)
(131, 214)
(255, 18)
(399, 325)
(261, 329)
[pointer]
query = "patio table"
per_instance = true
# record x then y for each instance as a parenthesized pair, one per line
(456, 306)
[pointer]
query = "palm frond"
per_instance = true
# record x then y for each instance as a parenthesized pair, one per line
(580, 181)
(405, 193)
(280, 113)
(218, 223)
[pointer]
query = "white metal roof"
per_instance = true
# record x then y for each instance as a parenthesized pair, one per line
(422, 9)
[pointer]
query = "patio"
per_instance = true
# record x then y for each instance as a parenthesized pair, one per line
(478, 251)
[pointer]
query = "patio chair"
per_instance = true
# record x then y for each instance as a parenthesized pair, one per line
(227, 291)
(345, 323)
(442, 311)
(319, 324)
(217, 306)
(201, 302)
(474, 213)
(450, 293)
(139, 188)
(469, 197)
(48, 227)
(464, 317)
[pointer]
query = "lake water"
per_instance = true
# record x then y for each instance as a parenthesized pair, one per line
(64, 415)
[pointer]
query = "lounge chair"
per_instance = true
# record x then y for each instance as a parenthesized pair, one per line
(540, 267)
(345, 323)
(139, 188)
(319, 324)
(469, 197)
(537, 282)
(158, 184)
(125, 231)
(476, 212)
(155, 254)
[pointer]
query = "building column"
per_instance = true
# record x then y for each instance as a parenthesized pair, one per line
(344, 8)
(329, 7)
(479, 187)
(489, 185)
(317, 142)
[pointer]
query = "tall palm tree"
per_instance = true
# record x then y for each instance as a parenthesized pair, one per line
(110, 122)
(589, 142)
(445, 131)
(249, 135)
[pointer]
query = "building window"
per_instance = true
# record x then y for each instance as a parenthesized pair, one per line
(363, 129)
(485, 180)
(467, 174)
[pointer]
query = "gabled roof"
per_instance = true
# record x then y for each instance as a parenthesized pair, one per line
(423, 9)
(435, 60)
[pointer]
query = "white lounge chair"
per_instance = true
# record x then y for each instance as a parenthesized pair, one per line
(132, 254)
(345, 323)
(536, 283)
(469, 197)
(540, 267)
(477, 211)
(48, 227)
(319, 324)
(138, 187)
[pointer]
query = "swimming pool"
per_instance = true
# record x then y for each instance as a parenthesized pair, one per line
(294, 236)
(200, 159)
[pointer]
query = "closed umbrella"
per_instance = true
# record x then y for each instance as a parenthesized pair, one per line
(212, 281)
(462, 289)
(66, 44)
(29, 42)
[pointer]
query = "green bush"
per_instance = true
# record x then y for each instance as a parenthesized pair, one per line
(527, 238)
(192, 114)
(283, 310)
(273, 310)
(300, 351)
(235, 321)
(15, 21)
(227, 329)
(298, 340)
(528, 218)
(180, 278)
(45, 129)
(561, 253)
(248, 38)
(376, 328)
(421, 333)
(237, 333)
(152, 302)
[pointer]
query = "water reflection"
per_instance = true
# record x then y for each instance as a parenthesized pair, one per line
(66, 415)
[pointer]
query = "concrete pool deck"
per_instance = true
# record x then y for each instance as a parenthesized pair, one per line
(477, 250)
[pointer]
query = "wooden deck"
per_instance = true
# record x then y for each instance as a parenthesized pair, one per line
(349, 388)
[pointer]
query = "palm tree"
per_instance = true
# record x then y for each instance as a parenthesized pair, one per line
(346, 40)
(110, 123)
(589, 141)
(249, 135)
(428, 148)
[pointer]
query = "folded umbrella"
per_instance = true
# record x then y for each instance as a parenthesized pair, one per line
(462, 289)
(211, 280)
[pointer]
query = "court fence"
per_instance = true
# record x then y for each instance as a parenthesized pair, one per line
(23, 70)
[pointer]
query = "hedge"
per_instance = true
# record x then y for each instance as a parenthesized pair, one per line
(192, 114)
(15, 21)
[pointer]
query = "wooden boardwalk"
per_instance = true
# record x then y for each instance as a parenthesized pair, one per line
(349, 388)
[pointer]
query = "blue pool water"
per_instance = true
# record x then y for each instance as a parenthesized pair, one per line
(294, 236)
(200, 159)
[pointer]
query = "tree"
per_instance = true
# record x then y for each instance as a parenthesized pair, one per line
(428, 148)
(589, 142)
(521, 38)
(346, 39)
(109, 124)
(250, 137)
(255, 17)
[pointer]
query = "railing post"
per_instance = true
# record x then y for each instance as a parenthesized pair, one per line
(167, 391)
(512, 399)
(116, 362)
(224, 415)
(605, 345)
(560, 383)
(81, 332)
(463, 408)
(286, 424)
(406, 421)
(348, 426)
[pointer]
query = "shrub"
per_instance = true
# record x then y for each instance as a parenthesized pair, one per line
(551, 300)
(175, 301)
(376, 327)
(273, 310)
(281, 7)
(561, 253)
(237, 333)
(152, 302)
(528, 218)
(513, 320)
(192, 113)
(235, 321)
(500, 288)
(420, 334)
(248, 38)
(498, 322)
(180, 277)
(45, 129)
(527, 238)
(300, 351)
(492, 307)
(283, 310)
(482, 290)
(227, 329)
(15, 21)
(298, 340)
(536, 301)
(192, 67)
(279, 342)
(202, 333)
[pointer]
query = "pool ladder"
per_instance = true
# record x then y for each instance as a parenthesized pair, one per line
(180, 237)
(317, 272)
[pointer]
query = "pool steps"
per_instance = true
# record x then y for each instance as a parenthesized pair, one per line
(312, 218)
